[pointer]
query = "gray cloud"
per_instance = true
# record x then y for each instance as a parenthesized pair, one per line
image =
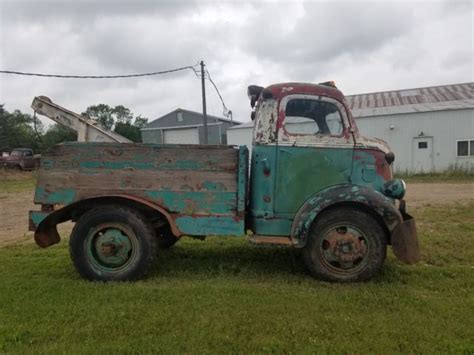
(328, 30)
(87, 11)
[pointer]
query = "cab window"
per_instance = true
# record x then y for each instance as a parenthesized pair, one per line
(311, 117)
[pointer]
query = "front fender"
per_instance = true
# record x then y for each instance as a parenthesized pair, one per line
(368, 198)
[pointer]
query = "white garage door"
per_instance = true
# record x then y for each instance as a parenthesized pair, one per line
(181, 136)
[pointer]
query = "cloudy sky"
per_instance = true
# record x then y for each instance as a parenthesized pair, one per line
(364, 46)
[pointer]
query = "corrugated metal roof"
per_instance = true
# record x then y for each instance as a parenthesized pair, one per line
(435, 98)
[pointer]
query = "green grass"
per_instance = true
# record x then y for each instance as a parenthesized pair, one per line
(454, 176)
(13, 181)
(226, 296)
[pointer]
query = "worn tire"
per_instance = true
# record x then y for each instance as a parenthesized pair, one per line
(338, 230)
(165, 237)
(112, 243)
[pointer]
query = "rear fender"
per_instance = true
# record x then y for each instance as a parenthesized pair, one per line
(46, 233)
(344, 194)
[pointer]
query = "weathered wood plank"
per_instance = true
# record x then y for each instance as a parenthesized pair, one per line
(183, 179)
(125, 179)
(141, 156)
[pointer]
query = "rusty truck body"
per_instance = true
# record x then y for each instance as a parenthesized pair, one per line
(313, 182)
(21, 159)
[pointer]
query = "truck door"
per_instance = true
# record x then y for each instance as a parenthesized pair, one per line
(28, 159)
(314, 150)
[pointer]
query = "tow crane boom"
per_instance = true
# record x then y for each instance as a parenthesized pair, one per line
(87, 130)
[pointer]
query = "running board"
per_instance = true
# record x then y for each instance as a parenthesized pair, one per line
(270, 240)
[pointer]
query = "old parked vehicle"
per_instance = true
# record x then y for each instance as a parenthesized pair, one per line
(21, 159)
(317, 185)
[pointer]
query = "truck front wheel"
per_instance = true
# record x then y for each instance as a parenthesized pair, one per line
(112, 243)
(345, 245)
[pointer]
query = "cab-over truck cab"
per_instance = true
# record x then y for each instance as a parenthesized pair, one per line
(315, 183)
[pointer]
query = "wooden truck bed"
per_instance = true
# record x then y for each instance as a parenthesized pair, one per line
(203, 188)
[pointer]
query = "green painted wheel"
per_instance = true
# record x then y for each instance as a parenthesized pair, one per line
(344, 245)
(112, 243)
(111, 247)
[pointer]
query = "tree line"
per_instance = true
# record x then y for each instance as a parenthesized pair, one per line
(18, 129)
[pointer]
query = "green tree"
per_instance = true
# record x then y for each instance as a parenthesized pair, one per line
(16, 130)
(119, 119)
(102, 113)
(57, 134)
(122, 114)
(140, 121)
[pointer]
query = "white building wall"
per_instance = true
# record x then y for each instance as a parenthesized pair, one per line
(445, 128)
(240, 136)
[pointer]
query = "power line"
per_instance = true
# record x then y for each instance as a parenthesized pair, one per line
(227, 112)
(98, 76)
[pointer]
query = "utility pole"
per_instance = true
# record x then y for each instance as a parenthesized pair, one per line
(204, 109)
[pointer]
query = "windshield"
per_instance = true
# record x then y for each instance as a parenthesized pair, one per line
(309, 116)
(16, 153)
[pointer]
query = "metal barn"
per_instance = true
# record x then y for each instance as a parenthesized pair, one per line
(186, 127)
(430, 129)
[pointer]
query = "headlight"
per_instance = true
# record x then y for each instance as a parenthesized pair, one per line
(395, 188)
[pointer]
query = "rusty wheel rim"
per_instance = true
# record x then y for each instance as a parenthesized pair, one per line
(344, 249)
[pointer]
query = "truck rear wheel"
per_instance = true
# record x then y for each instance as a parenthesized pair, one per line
(345, 245)
(112, 243)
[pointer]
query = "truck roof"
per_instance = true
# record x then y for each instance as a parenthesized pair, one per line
(280, 90)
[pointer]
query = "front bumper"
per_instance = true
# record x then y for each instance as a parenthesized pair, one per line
(404, 239)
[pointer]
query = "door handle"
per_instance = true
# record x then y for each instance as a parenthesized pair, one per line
(266, 166)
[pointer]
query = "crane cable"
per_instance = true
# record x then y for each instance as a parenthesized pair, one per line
(226, 112)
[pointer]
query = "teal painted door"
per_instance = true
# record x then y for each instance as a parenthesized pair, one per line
(303, 171)
(314, 151)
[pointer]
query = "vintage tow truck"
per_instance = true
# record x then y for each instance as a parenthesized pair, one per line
(315, 183)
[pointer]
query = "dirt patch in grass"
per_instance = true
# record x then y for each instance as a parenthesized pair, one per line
(14, 207)
(16, 199)
(426, 194)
